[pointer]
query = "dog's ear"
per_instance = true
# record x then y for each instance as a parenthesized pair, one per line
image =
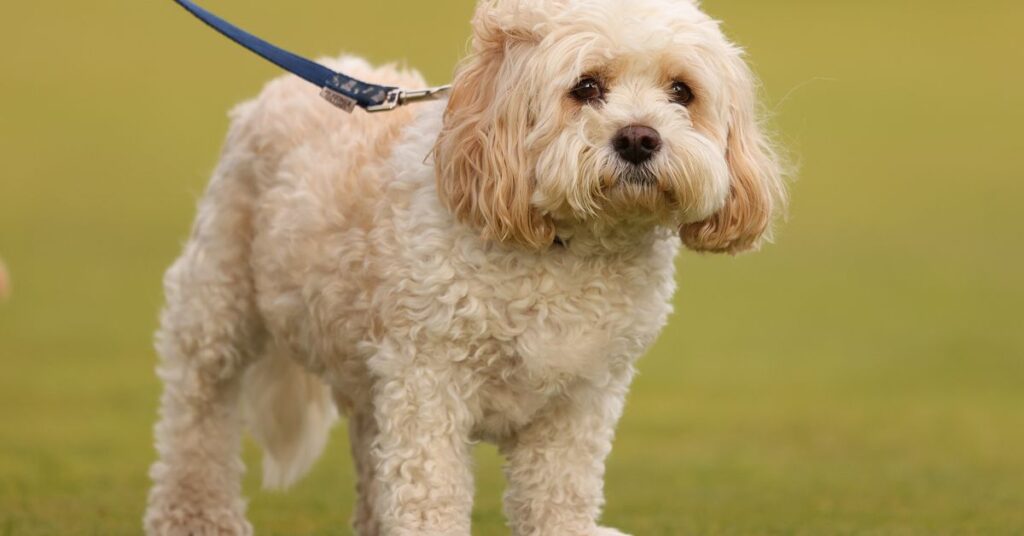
(484, 174)
(757, 190)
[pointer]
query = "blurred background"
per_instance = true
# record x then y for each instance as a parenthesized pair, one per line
(865, 375)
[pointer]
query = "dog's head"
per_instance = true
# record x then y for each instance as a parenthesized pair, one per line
(606, 110)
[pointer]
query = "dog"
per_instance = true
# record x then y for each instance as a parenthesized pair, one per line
(485, 268)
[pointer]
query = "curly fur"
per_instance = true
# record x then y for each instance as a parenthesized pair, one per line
(480, 269)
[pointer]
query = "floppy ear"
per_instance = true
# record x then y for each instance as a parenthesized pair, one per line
(757, 191)
(484, 174)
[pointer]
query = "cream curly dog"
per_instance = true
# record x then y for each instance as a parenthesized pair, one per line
(486, 268)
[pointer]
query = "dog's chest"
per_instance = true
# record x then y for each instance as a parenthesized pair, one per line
(540, 334)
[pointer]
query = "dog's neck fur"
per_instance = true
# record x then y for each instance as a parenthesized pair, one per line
(596, 239)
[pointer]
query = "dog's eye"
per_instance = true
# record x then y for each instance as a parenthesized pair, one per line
(681, 93)
(588, 90)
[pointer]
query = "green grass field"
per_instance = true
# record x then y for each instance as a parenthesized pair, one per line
(863, 376)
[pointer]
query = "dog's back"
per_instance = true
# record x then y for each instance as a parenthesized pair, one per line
(289, 116)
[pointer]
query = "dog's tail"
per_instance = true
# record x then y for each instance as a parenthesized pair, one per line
(290, 413)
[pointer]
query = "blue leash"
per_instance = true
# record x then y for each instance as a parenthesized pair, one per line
(340, 90)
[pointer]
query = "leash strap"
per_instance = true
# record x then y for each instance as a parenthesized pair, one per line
(340, 90)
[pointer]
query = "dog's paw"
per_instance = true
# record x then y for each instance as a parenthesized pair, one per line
(606, 531)
(191, 521)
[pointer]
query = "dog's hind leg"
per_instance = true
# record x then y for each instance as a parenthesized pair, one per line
(362, 431)
(209, 333)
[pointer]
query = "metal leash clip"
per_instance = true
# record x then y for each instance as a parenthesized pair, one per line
(393, 99)
(401, 97)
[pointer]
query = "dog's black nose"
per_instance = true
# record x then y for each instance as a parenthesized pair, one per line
(636, 143)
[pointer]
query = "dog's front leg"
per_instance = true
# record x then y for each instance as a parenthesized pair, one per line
(555, 467)
(424, 468)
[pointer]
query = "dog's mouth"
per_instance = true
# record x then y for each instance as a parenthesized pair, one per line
(626, 188)
(639, 176)
(638, 187)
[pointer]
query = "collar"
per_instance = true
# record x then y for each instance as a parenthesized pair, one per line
(339, 89)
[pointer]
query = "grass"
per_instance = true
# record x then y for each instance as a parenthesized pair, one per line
(862, 376)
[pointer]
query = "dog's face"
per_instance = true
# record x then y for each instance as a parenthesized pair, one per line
(609, 111)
